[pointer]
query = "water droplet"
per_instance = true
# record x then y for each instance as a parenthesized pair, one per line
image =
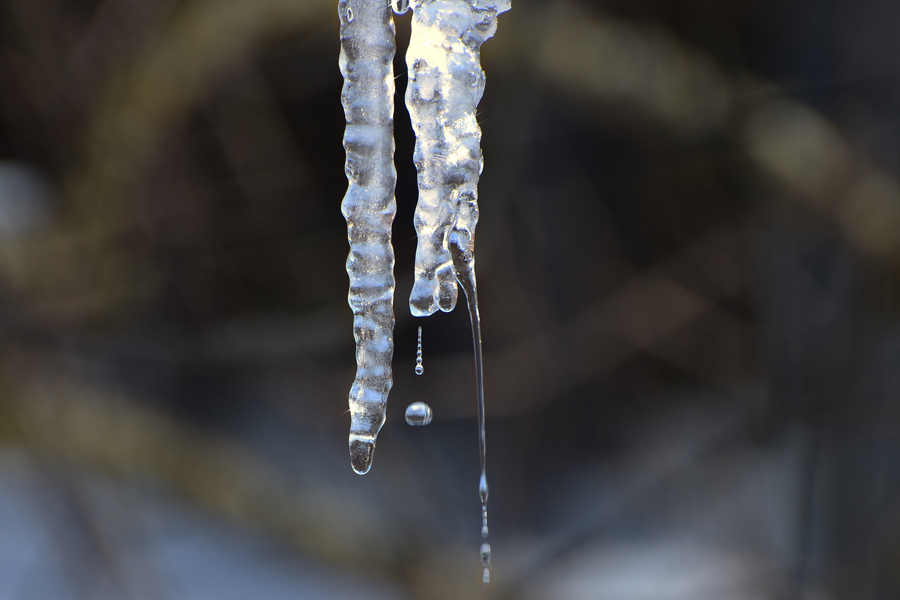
(349, 15)
(400, 6)
(361, 453)
(486, 577)
(418, 414)
(486, 554)
(419, 368)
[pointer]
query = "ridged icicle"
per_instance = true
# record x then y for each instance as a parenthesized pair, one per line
(445, 84)
(367, 52)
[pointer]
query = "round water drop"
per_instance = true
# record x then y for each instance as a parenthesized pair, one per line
(419, 369)
(400, 6)
(418, 414)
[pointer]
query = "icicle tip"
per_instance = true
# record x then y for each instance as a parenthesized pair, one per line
(361, 453)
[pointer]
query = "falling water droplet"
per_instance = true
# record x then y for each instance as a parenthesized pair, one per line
(419, 368)
(486, 562)
(400, 6)
(418, 414)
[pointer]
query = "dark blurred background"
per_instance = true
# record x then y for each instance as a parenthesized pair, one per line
(689, 261)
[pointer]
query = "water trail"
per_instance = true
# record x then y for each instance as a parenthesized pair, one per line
(419, 367)
(464, 265)
(486, 562)
(366, 62)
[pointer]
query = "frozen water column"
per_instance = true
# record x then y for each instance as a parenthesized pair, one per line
(367, 52)
(445, 84)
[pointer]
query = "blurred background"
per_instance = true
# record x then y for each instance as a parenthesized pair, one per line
(689, 261)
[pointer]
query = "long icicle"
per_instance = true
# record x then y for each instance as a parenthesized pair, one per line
(445, 85)
(366, 62)
(446, 82)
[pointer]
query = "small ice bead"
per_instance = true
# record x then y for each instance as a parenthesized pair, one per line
(400, 6)
(418, 414)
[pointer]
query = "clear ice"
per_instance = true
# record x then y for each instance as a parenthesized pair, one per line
(366, 62)
(446, 82)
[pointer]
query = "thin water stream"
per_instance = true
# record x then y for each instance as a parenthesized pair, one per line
(464, 265)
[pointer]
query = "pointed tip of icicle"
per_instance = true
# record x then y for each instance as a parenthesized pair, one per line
(361, 453)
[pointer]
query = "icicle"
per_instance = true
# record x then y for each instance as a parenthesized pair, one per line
(445, 84)
(367, 52)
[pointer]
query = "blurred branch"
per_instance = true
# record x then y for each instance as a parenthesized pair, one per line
(83, 268)
(648, 73)
(67, 421)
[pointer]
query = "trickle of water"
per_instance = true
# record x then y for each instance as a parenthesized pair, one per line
(486, 562)
(419, 368)
(483, 493)
(400, 6)
(464, 265)
(418, 414)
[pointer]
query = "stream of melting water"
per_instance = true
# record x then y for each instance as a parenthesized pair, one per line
(464, 264)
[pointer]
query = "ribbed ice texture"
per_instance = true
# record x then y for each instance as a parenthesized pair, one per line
(367, 52)
(445, 84)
